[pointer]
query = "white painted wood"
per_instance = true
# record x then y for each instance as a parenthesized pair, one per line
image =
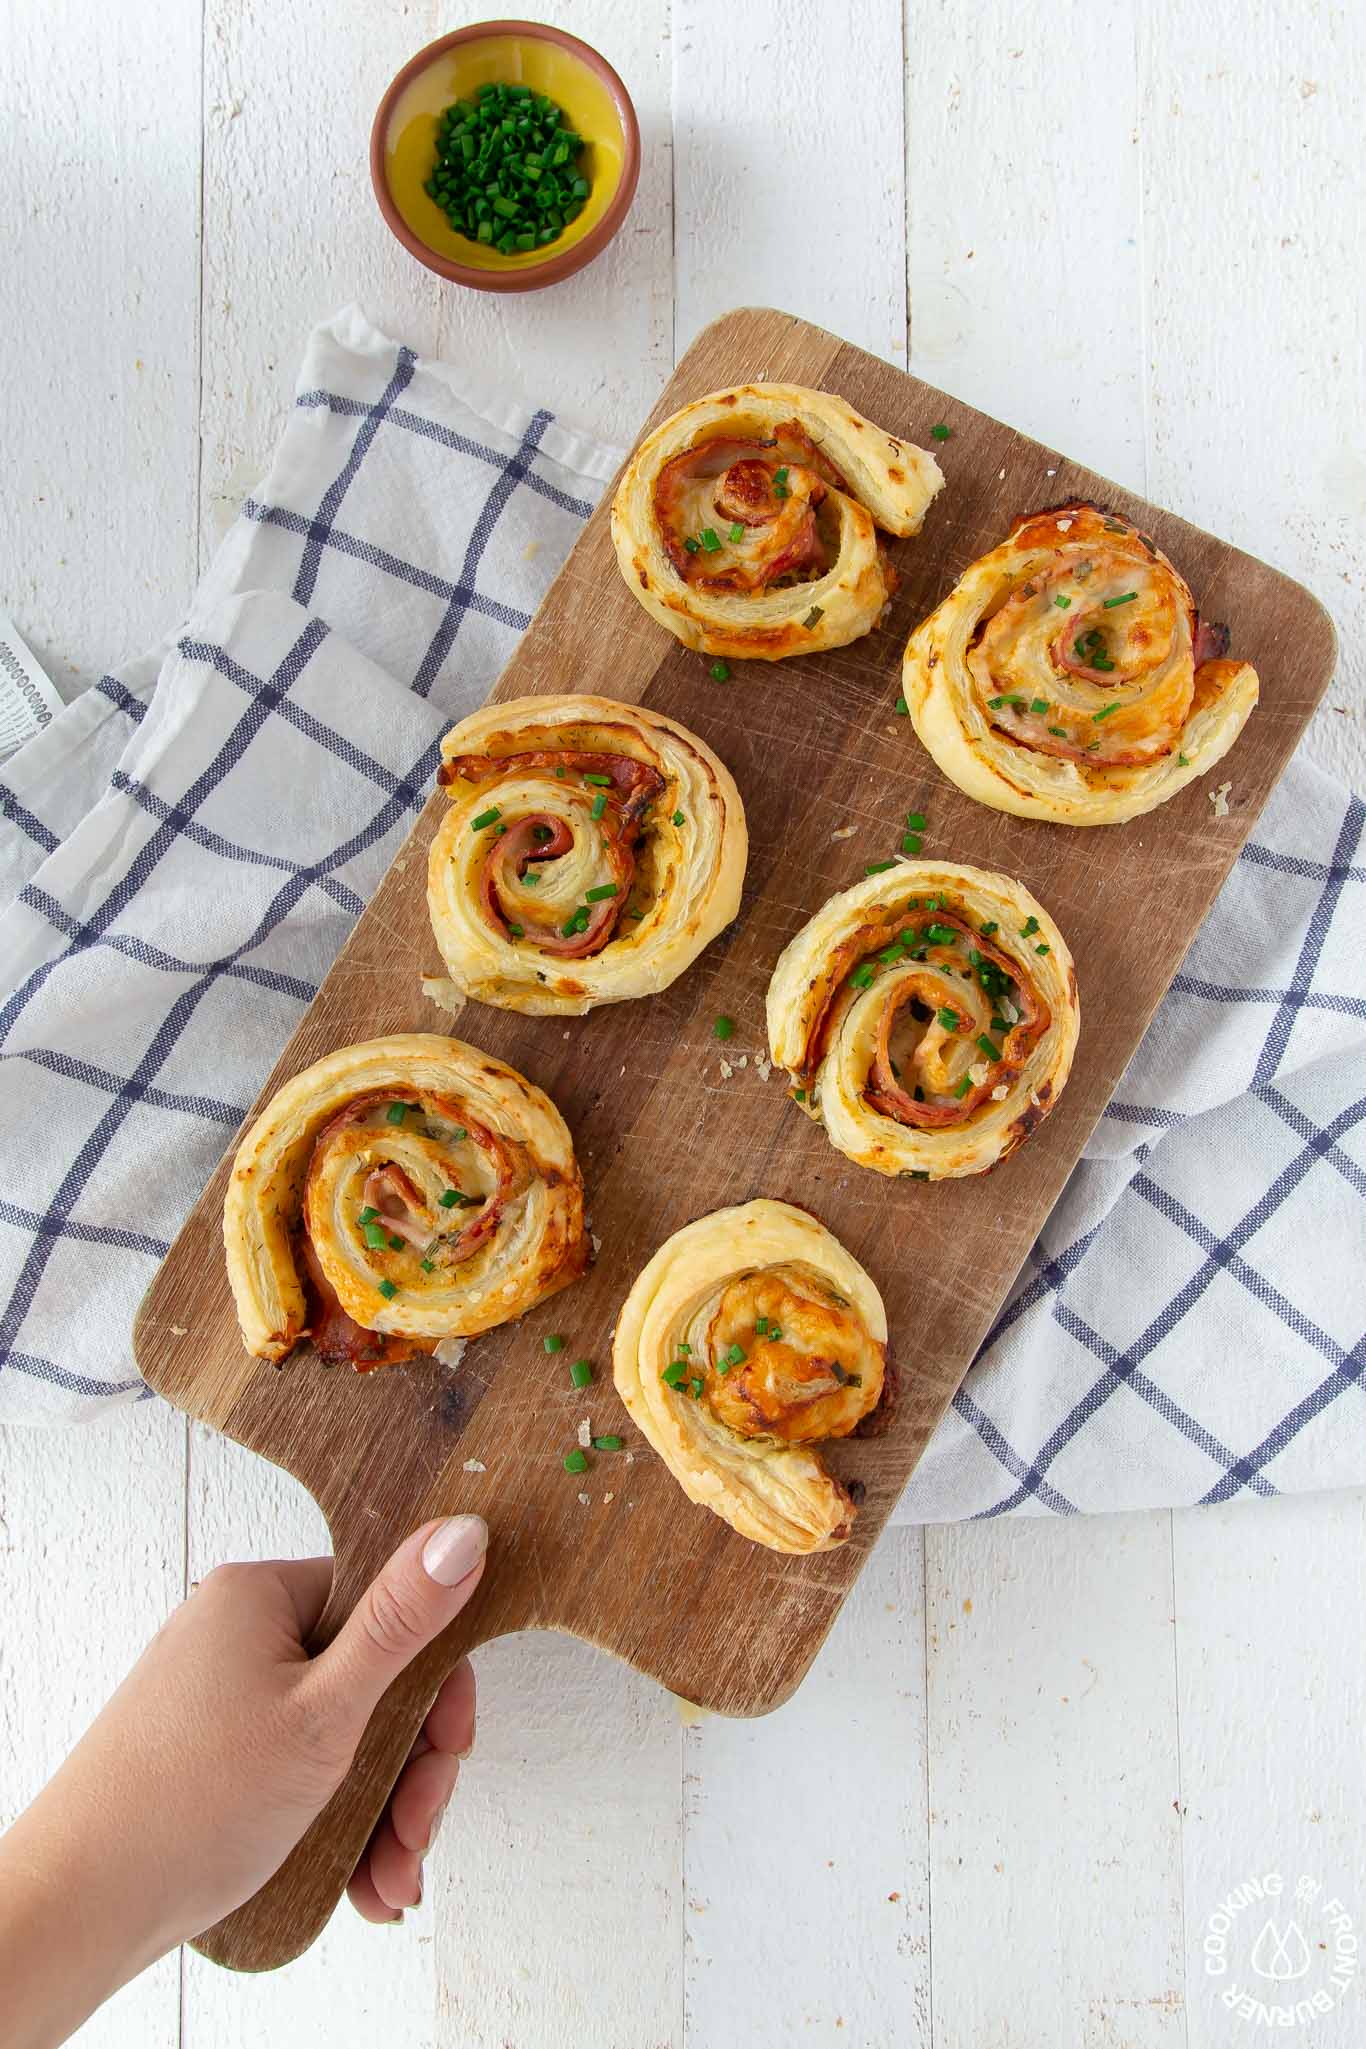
(788, 169)
(807, 1878)
(1055, 1843)
(365, 1985)
(1256, 309)
(1025, 286)
(556, 1884)
(1132, 230)
(92, 1555)
(1270, 1673)
(99, 307)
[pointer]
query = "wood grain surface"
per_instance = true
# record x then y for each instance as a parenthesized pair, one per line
(662, 1136)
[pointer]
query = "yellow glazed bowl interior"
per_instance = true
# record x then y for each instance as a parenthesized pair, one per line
(458, 73)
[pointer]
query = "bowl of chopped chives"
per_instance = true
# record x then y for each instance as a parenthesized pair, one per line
(505, 156)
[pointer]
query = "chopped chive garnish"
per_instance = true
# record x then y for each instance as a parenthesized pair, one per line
(780, 488)
(1104, 713)
(516, 931)
(459, 1133)
(1029, 927)
(692, 545)
(710, 539)
(719, 672)
(940, 432)
(429, 1266)
(901, 708)
(376, 1235)
(915, 821)
(685, 1349)
(604, 780)
(816, 612)
(992, 1052)
(1063, 604)
(990, 927)
(862, 977)
(675, 1375)
(911, 843)
(367, 1216)
(1041, 949)
(1038, 704)
(1182, 761)
(678, 818)
(775, 1332)
(940, 935)
(388, 1290)
(949, 1020)
(581, 1372)
(1110, 603)
(737, 532)
(734, 1355)
(601, 893)
(489, 817)
(799, 1095)
(575, 1462)
(396, 1245)
(1115, 526)
(598, 806)
(532, 877)
(1008, 697)
(964, 1085)
(877, 867)
(553, 1343)
(891, 954)
(761, 1326)
(449, 1199)
(396, 1113)
(607, 1443)
(1058, 732)
(724, 1028)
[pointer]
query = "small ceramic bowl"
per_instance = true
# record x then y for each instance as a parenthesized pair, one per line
(550, 61)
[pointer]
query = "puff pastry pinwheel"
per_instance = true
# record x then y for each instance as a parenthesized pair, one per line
(748, 522)
(750, 1336)
(396, 1194)
(1067, 675)
(927, 1017)
(591, 851)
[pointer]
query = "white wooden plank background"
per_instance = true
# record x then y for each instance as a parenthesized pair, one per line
(1034, 1757)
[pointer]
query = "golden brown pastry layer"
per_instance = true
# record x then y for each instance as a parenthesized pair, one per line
(927, 1017)
(1066, 676)
(395, 1194)
(749, 1336)
(591, 850)
(748, 523)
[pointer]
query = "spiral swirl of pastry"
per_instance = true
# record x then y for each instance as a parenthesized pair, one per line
(591, 851)
(1067, 676)
(927, 1017)
(751, 1335)
(396, 1194)
(748, 522)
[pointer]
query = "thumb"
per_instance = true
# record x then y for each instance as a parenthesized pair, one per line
(422, 1588)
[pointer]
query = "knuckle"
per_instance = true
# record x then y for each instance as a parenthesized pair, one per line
(226, 1582)
(392, 1619)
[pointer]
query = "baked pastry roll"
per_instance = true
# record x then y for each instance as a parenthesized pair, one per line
(396, 1194)
(591, 850)
(927, 1017)
(1068, 676)
(748, 522)
(750, 1336)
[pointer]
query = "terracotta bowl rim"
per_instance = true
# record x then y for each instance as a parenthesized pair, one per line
(560, 264)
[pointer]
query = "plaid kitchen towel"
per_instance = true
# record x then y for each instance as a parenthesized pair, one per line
(190, 841)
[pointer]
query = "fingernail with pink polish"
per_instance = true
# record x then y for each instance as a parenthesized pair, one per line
(454, 1548)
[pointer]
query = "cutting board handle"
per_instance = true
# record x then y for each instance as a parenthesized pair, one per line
(292, 1908)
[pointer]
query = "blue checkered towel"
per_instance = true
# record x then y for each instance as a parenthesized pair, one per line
(192, 839)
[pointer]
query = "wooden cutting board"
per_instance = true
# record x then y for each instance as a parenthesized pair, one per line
(617, 1555)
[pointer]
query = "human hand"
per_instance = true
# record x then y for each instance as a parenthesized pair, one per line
(211, 1760)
